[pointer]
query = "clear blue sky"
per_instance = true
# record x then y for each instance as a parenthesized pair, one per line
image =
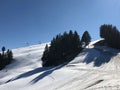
(34, 21)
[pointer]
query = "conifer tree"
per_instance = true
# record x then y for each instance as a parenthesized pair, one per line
(76, 41)
(86, 38)
(45, 54)
(3, 49)
(10, 56)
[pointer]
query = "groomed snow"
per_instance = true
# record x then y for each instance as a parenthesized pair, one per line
(27, 73)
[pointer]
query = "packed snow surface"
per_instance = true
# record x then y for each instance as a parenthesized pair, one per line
(82, 73)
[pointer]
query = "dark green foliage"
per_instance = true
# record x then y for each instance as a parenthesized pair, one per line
(5, 58)
(63, 48)
(9, 56)
(86, 38)
(111, 35)
(45, 54)
(3, 49)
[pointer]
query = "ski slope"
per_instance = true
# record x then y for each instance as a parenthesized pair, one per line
(27, 73)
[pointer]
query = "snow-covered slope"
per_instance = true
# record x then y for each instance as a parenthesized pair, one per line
(26, 72)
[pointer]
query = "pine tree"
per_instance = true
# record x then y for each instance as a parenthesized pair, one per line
(3, 49)
(10, 56)
(86, 38)
(45, 54)
(76, 42)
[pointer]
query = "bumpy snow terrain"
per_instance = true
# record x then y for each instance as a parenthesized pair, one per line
(82, 73)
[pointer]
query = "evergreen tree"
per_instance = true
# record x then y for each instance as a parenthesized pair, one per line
(76, 42)
(45, 54)
(86, 38)
(10, 56)
(3, 49)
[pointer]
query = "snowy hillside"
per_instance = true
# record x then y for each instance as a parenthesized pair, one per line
(26, 72)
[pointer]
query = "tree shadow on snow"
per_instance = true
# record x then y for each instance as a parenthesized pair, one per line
(46, 73)
(30, 73)
(99, 57)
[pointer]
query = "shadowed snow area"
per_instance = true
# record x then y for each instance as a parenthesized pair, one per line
(82, 73)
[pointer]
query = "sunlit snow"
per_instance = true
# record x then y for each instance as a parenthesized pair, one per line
(27, 73)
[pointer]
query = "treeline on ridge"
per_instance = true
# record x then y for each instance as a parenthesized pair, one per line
(64, 48)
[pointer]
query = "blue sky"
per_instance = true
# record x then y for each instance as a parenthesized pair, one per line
(34, 21)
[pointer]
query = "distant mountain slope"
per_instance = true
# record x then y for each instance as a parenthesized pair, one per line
(26, 72)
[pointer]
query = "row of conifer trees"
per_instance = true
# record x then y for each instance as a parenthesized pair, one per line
(64, 48)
